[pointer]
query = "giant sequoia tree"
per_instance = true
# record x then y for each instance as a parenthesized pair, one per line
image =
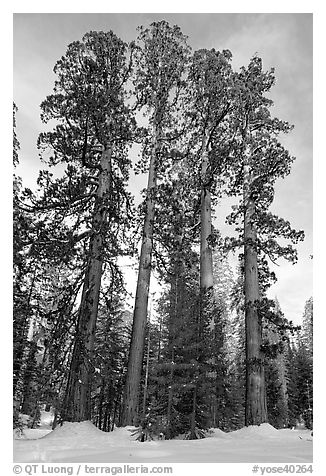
(160, 63)
(208, 103)
(93, 129)
(205, 106)
(259, 160)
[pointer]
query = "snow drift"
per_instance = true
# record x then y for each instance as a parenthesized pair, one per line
(83, 442)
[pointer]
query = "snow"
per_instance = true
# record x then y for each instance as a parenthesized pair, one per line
(265, 429)
(83, 442)
(76, 431)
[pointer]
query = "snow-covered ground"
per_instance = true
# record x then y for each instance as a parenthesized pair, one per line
(83, 442)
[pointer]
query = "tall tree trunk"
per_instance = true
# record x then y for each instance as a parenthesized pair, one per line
(206, 259)
(100, 405)
(192, 435)
(256, 407)
(131, 393)
(206, 273)
(168, 433)
(106, 419)
(146, 376)
(77, 402)
(171, 339)
(30, 375)
(284, 395)
(115, 408)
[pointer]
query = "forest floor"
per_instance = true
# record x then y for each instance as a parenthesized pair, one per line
(83, 442)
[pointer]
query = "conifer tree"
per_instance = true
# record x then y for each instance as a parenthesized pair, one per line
(236, 335)
(291, 383)
(94, 127)
(24, 280)
(304, 366)
(223, 341)
(275, 336)
(20, 317)
(307, 327)
(259, 159)
(176, 265)
(207, 104)
(111, 348)
(160, 64)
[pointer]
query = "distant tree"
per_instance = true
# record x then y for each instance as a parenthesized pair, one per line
(307, 327)
(111, 350)
(300, 388)
(20, 318)
(181, 369)
(23, 282)
(224, 343)
(304, 367)
(291, 383)
(275, 338)
(236, 338)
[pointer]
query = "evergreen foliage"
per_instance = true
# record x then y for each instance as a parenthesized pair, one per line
(187, 364)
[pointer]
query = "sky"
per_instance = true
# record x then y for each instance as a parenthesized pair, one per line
(284, 41)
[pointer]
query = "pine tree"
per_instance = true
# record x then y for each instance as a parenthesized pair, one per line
(276, 334)
(292, 383)
(177, 267)
(304, 364)
(176, 234)
(23, 282)
(236, 336)
(111, 348)
(223, 341)
(307, 327)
